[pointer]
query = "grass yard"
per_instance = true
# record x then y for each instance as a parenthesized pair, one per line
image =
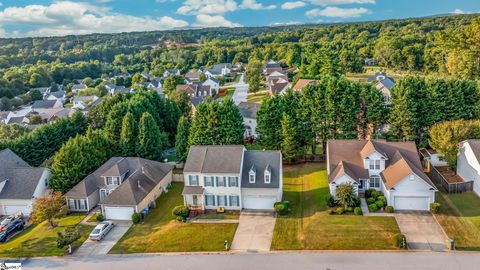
(38, 240)
(310, 227)
(460, 218)
(161, 233)
(257, 97)
(219, 216)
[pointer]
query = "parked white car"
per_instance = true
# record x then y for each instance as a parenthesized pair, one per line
(101, 230)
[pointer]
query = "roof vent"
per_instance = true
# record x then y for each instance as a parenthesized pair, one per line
(138, 184)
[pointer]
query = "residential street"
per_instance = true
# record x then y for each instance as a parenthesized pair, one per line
(241, 90)
(279, 261)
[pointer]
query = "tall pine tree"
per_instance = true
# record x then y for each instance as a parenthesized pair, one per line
(181, 139)
(128, 135)
(149, 141)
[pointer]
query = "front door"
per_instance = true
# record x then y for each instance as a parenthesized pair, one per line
(195, 200)
(361, 185)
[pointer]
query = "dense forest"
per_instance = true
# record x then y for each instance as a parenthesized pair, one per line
(447, 46)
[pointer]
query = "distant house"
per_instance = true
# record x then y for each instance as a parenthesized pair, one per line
(78, 87)
(20, 184)
(391, 167)
(279, 86)
(271, 67)
(194, 102)
(193, 76)
(84, 102)
(231, 177)
(468, 163)
(49, 115)
(223, 68)
(370, 62)
(147, 76)
(249, 114)
(275, 76)
(384, 84)
(211, 73)
(196, 89)
(58, 95)
(121, 186)
(47, 104)
(171, 72)
(302, 83)
(213, 83)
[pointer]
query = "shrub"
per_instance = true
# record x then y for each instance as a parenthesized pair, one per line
(137, 218)
(64, 239)
(400, 241)
(340, 210)
(181, 211)
(368, 192)
(358, 211)
(281, 209)
(370, 200)
(331, 211)
(389, 209)
(330, 201)
(435, 208)
(372, 208)
(349, 209)
(99, 217)
(383, 199)
(376, 194)
(358, 202)
(379, 204)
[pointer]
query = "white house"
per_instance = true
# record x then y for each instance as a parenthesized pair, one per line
(121, 186)
(83, 102)
(58, 95)
(391, 167)
(20, 184)
(468, 163)
(231, 177)
(213, 83)
(249, 114)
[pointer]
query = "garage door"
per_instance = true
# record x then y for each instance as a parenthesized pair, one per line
(13, 209)
(118, 213)
(259, 202)
(411, 203)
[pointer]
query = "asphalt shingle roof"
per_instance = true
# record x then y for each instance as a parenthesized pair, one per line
(262, 160)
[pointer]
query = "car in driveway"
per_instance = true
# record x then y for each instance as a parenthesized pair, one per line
(13, 225)
(101, 230)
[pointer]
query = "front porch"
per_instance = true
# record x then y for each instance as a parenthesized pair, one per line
(193, 198)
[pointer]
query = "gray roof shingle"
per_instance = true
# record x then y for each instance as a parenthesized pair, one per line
(214, 159)
(261, 161)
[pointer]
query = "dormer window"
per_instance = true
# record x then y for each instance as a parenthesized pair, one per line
(112, 180)
(267, 177)
(375, 164)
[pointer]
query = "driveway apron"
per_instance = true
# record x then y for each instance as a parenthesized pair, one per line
(421, 230)
(95, 248)
(254, 232)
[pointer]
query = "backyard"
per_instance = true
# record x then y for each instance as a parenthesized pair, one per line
(460, 218)
(257, 97)
(309, 226)
(160, 232)
(38, 240)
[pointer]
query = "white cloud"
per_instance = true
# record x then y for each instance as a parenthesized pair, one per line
(337, 12)
(204, 20)
(341, 2)
(293, 5)
(67, 17)
(458, 11)
(253, 4)
(195, 7)
(285, 23)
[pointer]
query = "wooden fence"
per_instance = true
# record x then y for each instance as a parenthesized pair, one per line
(440, 181)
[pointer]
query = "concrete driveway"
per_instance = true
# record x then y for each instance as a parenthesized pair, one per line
(95, 248)
(241, 91)
(254, 232)
(421, 230)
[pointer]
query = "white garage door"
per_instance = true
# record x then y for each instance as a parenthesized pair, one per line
(118, 213)
(13, 209)
(411, 203)
(259, 202)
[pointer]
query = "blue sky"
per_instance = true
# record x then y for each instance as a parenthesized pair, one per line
(20, 18)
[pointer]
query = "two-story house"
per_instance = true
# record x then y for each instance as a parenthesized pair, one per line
(248, 111)
(468, 162)
(231, 177)
(121, 186)
(391, 167)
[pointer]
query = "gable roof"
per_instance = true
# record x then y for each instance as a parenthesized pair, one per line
(262, 161)
(248, 109)
(214, 159)
(44, 104)
(279, 87)
(475, 145)
(302, 83)
(402, 159)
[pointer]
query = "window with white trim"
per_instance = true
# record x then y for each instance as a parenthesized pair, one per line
(233, 181)
(221, 181)
(251, 177)
(221, 200)
(208, 181)
(234, 200)
(193, 180)
(375, 164)
(210, 200)
(374, 181)
(267, 177)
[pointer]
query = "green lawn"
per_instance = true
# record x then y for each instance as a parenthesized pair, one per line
(257, 97)
(460, 218)
(161, 233)
(219, 216)
(310, 227)
(39, 240)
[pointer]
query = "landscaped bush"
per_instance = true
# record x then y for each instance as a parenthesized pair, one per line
(370, 200)
(376, 194)
(383, 199)
(358, 202)
(181, 211)
(372, 208)
(435, 208)
(389, 209)
(340, 211)
(400, 241)
(99, 217)
(137, 218)
(281, 208)
(330, 201)
(349, 209)
(368, 192)
(379, 204)
(358, 211)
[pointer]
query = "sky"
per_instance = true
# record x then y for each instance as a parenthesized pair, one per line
(21, 18)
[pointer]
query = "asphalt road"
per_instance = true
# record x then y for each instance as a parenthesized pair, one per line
(241, 91)
(276, 261)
